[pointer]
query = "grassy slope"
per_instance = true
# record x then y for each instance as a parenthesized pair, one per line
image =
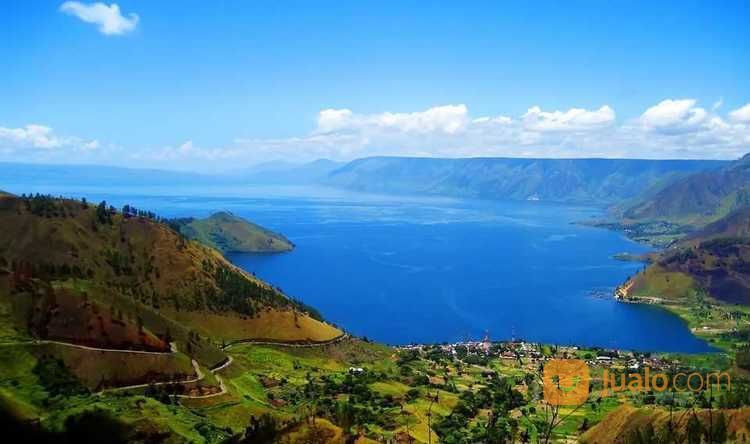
(232, 234)
(621, 423)
(277, 325)
(720, 267)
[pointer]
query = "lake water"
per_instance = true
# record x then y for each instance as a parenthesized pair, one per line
(402, 270)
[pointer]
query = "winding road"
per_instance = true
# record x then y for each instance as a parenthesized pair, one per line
(199, 375)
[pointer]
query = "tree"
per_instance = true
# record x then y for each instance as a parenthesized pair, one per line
(717, 430)
(694, 430)
(102, 214)
(261, 430)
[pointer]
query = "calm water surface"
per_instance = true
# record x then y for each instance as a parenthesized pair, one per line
(401, 270)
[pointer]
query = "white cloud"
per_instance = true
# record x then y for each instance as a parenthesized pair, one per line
(741, 114)
(40, 137)
(92, 145)
(333, 119)
(674, 116)
(448, 119)
(108, 18)
(574, 119)
(499, 120)
(34, 136)
(669, 129)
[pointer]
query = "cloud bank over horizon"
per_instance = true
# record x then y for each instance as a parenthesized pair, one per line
(670, 129)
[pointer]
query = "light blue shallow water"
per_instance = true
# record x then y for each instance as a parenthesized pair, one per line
(401, 270)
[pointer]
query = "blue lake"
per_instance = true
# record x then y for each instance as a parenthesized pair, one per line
(402, 270)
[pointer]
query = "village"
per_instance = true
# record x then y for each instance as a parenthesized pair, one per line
(530, 353)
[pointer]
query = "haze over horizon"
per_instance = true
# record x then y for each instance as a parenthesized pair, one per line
(212, 88)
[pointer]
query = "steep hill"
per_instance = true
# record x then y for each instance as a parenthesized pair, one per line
(735, 224)
(719, 266)
(715, 259)
(629, 424)
(90, 275)
(699, 198)
(231, 234)
(562, 180)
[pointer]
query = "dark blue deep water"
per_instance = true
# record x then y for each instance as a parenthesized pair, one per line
(402, 270)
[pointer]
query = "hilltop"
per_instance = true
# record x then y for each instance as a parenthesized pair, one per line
(232, 234)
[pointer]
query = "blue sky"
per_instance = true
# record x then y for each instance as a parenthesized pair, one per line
(217, 85)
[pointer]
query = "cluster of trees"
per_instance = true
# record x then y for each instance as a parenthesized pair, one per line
(238, 293)
(738, 396)
(500, 397)
(44, 205)
(55, 377)
(49, 270)
(261, 430)
(362, 405)
(130, 210)
(121, 263)
(88, 426)
(166, 394)
(710, 430)
(104, 213)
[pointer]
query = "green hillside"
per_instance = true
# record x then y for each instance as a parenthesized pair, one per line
(95, 302)
(697, 199)
(93, 275)
(231, 234)
(714, 259)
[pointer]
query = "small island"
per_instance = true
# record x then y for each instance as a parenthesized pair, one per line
(232, 234)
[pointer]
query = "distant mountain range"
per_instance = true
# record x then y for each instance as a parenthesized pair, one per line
(560, 180)
(600, 181)
(271, 173)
